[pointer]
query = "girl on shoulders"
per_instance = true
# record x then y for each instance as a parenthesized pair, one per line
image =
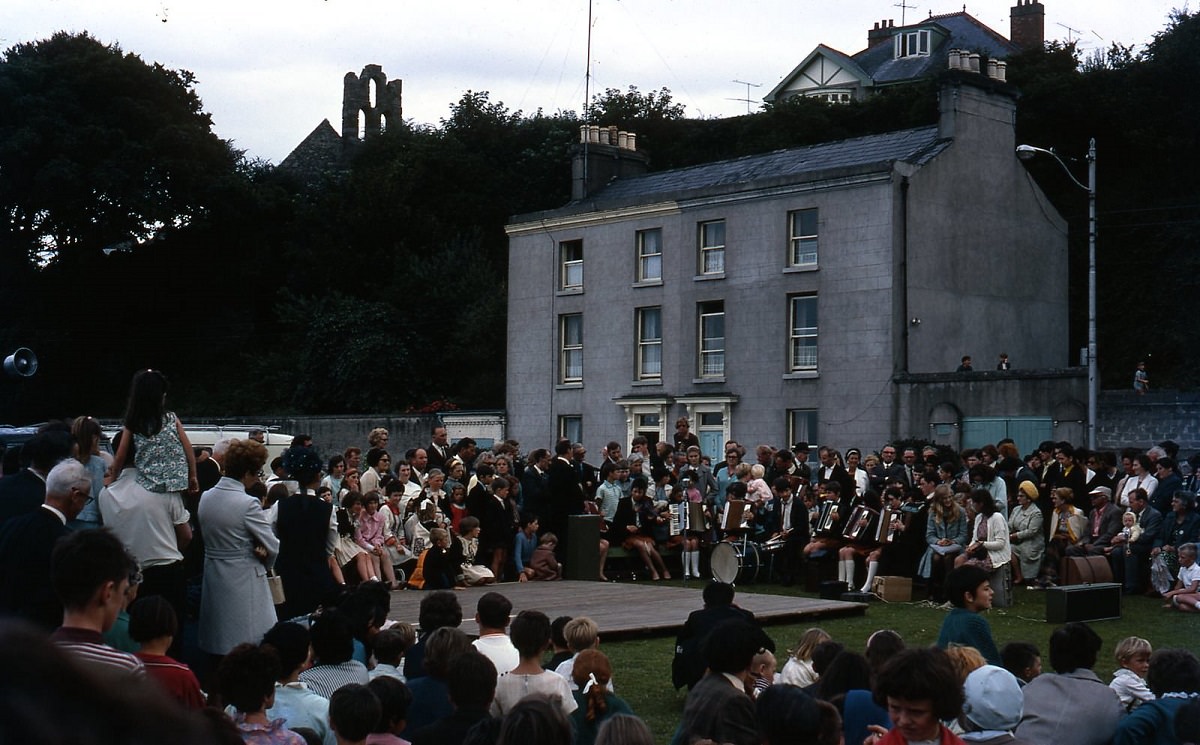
(164, 458)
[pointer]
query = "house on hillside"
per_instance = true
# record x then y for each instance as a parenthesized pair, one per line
(823, 293)
(896, 55)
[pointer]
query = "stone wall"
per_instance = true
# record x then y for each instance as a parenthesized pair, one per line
(1127, 419)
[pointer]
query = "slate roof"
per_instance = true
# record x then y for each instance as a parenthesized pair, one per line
(878, 63)
(962, 30)
(795, 165)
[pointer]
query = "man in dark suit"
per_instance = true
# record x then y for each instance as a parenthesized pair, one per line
(789, 524)
(563, 493)
(533, 486)
(889, 467)
(831, 470)
(1130, 559)
(689, 662)
(718, 708)
(24, 491)
(26, 542)
(439, 449)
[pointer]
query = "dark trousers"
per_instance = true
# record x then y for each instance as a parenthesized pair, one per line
(170, 582)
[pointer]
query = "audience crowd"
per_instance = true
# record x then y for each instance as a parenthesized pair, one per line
(289, 582)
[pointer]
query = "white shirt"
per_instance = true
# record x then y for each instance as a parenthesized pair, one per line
(500, 650)
(143, 520)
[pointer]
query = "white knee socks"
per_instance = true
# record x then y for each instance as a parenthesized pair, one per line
(846, 571)
(872, 569)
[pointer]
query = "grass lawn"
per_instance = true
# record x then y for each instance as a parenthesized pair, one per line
(642, 666)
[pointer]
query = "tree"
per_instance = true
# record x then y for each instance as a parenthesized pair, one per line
(98, 150)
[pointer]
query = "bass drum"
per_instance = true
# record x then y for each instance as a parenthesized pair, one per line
(734, 562)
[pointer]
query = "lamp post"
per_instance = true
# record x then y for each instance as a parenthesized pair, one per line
(1025, 152)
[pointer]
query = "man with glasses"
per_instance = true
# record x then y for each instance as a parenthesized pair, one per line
(26, 543)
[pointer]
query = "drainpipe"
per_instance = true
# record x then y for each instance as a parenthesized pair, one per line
(902, 288)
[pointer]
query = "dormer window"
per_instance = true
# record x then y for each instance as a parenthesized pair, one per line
(912, 43)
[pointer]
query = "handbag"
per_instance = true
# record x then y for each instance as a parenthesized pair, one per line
(275, 582)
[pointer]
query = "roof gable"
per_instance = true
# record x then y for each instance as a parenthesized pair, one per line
(821, 68)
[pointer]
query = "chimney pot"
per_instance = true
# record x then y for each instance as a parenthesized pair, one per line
(974, 62)
(991, 68)
(632, 141)
(623, 140)
(583, 133)
(1002, 71)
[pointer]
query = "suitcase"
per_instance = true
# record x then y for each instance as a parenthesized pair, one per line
(1080, 570)
(1096, 602)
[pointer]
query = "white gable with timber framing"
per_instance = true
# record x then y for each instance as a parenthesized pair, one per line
(824, 73)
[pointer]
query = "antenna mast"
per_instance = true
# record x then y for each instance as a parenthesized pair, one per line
(903, 7)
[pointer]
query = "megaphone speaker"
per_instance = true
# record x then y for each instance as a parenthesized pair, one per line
(22, 363)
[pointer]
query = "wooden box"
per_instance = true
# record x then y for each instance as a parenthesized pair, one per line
(893, 589)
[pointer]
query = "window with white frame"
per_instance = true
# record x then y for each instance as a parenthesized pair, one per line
(649, 343)
(570, 426)
(912, 44)
(570, 258)
(649, 255)
(712, 339)
(712, 247)
(802, 426)
(802, 237)
(803, 337)
(570, 330)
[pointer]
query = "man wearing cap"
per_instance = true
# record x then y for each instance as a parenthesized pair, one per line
(1130, 559)
(1104, 522)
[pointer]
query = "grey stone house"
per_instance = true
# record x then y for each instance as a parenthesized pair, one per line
(824, 293)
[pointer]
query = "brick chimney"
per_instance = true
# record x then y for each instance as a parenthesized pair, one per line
(882, 30)
(1027, 24)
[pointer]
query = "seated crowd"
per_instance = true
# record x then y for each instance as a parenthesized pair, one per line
(291, 580)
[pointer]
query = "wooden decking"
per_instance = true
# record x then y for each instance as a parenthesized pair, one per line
(624, 609)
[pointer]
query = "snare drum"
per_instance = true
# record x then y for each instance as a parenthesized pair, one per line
(732, 562)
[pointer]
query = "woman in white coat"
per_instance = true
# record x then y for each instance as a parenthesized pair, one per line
(239, 546)
(988, 548)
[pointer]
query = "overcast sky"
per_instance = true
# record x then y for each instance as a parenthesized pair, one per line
(270, 70)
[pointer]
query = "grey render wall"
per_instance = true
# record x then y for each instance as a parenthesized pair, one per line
(987, 254)
(964, 241)
(853, 283)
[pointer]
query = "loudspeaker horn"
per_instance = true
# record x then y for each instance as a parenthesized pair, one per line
(22, 363)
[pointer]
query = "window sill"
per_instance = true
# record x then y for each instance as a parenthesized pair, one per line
(701, 381)
(801, 269)
(708, 277)
(802, 375)
(568, 386)
(649, 283)
(572, 291)
(648, 382)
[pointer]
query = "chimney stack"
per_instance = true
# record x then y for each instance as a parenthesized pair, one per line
(602, 155)
(882, 30)
(1027, 24)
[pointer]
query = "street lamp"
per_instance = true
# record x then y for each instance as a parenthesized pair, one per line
(1025, 152)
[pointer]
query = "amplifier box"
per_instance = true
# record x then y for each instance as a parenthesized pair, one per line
(1096, 602)
(833, 589)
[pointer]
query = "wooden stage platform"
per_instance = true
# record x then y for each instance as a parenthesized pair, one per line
(623, 609)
